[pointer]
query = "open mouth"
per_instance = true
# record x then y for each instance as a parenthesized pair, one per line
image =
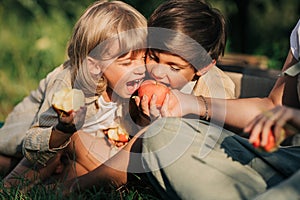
(167, 84)
(134, 85)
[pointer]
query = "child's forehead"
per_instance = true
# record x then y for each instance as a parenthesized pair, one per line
(132, 54)
(172, 57)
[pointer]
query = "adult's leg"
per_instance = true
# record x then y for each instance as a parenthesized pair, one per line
(26, 175)
(7, 164)
(189, 163)
(13, 131)
(288, 189)
(274, 167)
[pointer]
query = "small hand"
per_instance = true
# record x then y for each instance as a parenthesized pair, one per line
(149, 109)
(178, 104)
(70, 122)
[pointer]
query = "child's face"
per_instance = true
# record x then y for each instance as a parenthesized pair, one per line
(125, 74)
(169, 69)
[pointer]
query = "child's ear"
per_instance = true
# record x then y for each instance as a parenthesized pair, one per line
(204, 70)
(93, 65)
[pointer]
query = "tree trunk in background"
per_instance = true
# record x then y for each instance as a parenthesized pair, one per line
(243, 10)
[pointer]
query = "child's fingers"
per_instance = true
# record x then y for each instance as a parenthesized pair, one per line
(79, 117)
(165, 107)
(144, 105)
(67, 119)
(137, 100)
(154, 111)
(153, 101)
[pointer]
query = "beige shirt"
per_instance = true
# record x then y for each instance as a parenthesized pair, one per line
(36, 142)
(215, 83)
(38, 106)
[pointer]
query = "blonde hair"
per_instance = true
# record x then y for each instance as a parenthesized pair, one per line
(100, 22)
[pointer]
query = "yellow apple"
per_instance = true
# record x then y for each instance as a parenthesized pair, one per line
(68, 100)
(117, 134)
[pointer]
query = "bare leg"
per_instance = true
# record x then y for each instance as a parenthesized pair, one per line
(7, 164)
(27, 175)
(79, 161)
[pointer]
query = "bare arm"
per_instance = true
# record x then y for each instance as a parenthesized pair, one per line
(66, 127)
(240, 112)
(235, 112)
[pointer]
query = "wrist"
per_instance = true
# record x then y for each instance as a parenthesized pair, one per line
(65, 128)
(203, 106)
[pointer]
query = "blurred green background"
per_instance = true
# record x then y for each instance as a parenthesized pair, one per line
(34, 34)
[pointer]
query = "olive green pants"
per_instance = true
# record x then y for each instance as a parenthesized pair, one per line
(192, 159)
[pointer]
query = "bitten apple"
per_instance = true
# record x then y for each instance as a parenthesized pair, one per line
(68, 100)
(150, 87)
(118, 134)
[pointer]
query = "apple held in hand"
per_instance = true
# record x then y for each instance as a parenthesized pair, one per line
(68, 100)
(271, 145)
(150, 87)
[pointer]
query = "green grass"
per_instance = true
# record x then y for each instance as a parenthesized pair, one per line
(137, 189)
(30, 50)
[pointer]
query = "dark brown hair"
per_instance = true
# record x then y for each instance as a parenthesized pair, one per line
(194, 18)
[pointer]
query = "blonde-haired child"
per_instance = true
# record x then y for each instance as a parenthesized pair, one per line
(106, 61)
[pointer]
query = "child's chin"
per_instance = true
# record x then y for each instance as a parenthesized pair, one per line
(125, 95)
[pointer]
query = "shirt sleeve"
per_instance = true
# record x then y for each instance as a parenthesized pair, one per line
(215, 83)
(36, 145)
(294, 41)
(22, 117)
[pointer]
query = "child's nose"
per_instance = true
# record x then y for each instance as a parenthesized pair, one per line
(159, 72)
(140, 68)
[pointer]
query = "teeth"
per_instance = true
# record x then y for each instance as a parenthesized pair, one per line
(137, 81)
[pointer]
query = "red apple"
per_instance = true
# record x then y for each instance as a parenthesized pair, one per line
(150, 87)
(123, 138)
(271, 145)
(256, 143)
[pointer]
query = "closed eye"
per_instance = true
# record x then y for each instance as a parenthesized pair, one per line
(125, 62)
(174, 68)
(152, 56)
